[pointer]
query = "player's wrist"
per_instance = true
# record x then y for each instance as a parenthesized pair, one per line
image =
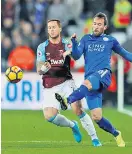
(73, 39)
(44, 69)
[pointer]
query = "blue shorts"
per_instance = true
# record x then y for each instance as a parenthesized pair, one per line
(100, 81)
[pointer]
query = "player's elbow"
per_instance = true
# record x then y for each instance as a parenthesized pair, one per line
(75, 57)
(39, 72)
(129, 58)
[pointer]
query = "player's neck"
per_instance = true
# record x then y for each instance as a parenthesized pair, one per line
(55, 41)
(98, 35)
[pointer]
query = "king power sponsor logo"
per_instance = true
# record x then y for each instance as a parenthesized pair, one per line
(96, 47)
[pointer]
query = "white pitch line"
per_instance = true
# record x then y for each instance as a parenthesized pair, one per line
(126, 111)
(84, 142)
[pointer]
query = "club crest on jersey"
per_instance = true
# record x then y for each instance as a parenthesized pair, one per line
(47, 54)
(105, 39)
(61, 51)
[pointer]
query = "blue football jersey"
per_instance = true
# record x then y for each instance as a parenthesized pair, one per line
(97, 52)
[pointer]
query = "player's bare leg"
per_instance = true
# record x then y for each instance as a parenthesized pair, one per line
(104, 124)
(86, 122)
(52, 115)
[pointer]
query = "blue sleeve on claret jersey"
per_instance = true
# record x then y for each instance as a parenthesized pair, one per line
(67, 44)
(77, 48)
(41, 53)
(121, 51)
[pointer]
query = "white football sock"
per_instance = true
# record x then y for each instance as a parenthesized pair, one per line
(87, 124)
(62, 121)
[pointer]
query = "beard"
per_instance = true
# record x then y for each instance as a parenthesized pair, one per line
(98, 33)
(54, 37)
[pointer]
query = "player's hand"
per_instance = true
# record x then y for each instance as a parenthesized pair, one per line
(45, 68)
(47, 65)
(74, 36)
(66, 53)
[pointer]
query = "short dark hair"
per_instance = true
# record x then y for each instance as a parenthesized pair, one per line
(102, 15)
(58, 21)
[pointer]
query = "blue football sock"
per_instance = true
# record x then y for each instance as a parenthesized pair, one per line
(107, 126)
(78, 94)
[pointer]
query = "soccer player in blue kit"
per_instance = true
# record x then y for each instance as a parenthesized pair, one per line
(96, 49)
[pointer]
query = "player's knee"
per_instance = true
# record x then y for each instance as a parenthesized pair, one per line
(96, 117)
(88, 84)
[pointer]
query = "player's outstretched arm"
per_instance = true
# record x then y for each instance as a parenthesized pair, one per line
(121, 51)
(77, 49)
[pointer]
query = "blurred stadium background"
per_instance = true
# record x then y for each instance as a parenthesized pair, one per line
(23, 29)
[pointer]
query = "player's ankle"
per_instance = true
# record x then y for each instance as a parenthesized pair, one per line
(94, 136)
(116, 133)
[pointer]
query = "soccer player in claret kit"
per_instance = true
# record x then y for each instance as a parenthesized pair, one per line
(96, 49)
(54, 67)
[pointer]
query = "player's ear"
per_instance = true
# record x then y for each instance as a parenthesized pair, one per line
(60, 29)
(105, 27)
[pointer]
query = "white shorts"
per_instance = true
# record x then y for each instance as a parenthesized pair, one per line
(65, 89)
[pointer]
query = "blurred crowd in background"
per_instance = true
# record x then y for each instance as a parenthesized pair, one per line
(24, 28)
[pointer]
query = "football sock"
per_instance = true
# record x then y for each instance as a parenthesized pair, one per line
(61, 121)
(78, 94)
(107, 126)
(87, 124)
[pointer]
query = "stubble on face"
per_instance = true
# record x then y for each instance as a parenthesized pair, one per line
(98, 26)
(53, 30)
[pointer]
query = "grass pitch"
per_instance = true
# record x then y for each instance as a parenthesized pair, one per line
(26, 132)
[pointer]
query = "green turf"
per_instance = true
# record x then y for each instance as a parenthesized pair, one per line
(26, 132)
(128, 107)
